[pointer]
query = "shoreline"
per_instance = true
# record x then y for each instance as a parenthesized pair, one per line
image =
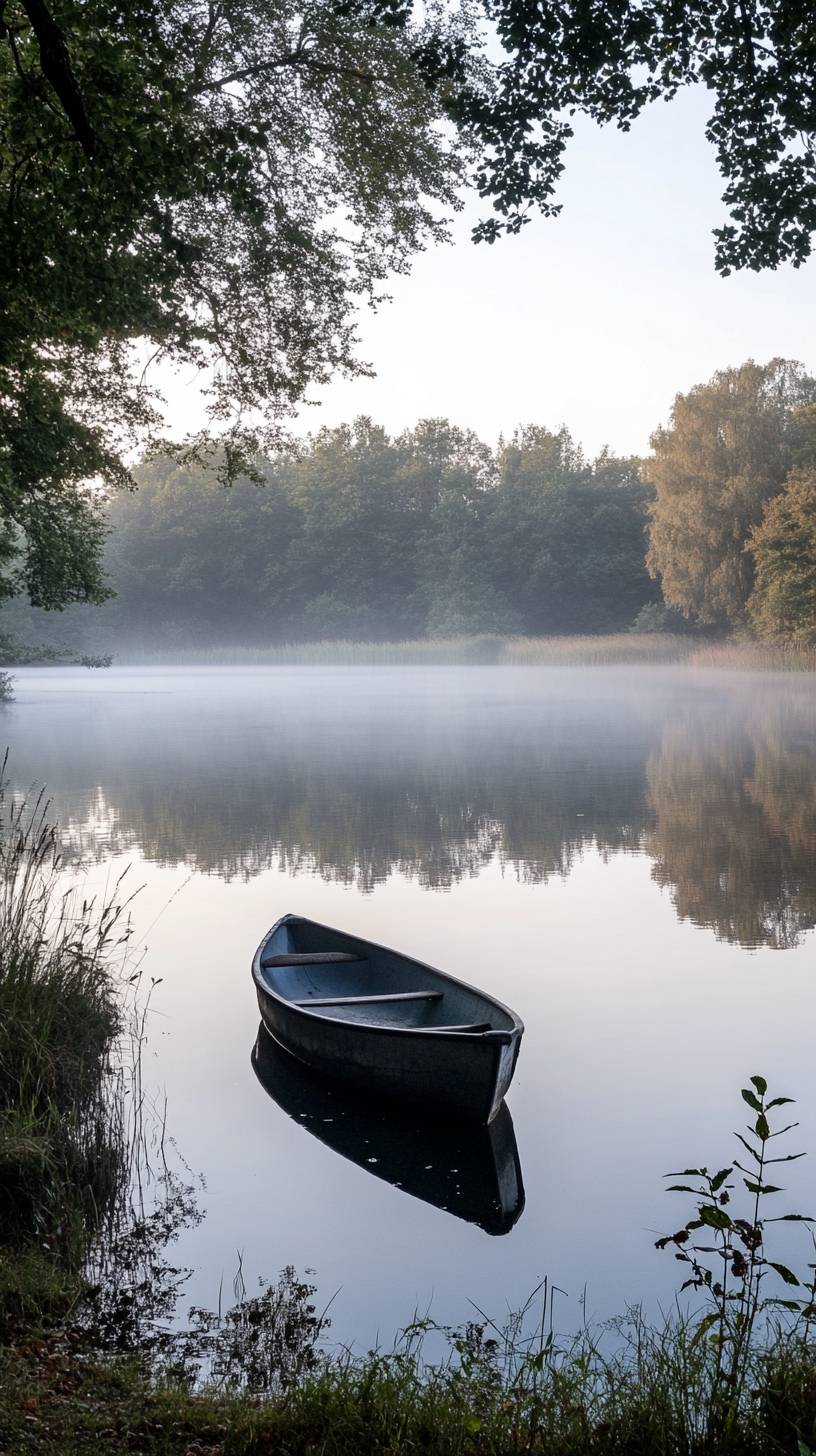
(615, 650)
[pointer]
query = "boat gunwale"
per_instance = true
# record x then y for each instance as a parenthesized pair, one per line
(496, 1036)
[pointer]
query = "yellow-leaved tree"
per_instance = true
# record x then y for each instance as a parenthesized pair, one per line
(725, 453)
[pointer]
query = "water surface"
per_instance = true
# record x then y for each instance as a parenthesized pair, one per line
(628, 858)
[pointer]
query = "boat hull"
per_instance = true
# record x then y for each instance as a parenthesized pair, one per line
(465, 1075)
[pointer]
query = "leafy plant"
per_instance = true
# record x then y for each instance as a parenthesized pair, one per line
(732, 1270)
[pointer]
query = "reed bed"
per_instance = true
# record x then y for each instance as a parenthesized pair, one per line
(64, 1115)
(424, 652)
(621, 649)
(616, 650)
(754, 657)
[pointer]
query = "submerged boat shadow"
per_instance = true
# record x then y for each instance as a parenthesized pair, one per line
(470, 1171)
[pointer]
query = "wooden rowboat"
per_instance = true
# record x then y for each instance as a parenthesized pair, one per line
(471, 1172)
(383, 1021)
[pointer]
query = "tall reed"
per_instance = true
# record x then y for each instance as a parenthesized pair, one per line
(619, 649)
(63, 1139)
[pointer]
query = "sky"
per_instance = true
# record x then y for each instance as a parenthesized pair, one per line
(595, 319)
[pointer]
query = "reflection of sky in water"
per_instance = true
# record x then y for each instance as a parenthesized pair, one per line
(571, 818)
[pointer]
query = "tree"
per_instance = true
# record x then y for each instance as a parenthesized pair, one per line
(608, 62)
(567, 538)
(726, 452)
(456, 570)
(352, 567)
(219, 182)
(192, 562)
(782, 605)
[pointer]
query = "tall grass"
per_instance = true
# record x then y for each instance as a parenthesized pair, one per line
(423, 652)
(629, 1389)
(612, 650)
(63, 1134)
(754, 657)
(616, 649)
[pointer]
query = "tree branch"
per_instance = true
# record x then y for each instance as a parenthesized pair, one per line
(56, 67)
(294, 58)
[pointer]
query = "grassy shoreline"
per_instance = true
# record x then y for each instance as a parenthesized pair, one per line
(615, 650)
(652, 1394)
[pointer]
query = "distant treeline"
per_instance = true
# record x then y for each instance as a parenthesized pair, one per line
(360, 535)
(356, 534)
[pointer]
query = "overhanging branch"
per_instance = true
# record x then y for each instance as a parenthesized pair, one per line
(56, 67)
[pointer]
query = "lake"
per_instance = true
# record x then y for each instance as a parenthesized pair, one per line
(626, 857)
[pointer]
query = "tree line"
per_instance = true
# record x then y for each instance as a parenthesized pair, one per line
(354, 533)
(358, 534)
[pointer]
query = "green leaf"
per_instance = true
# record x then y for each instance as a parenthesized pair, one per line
(760, 1187)
(760, 1084)
(751, 1099)
(719, 1178)
(777, 1102)
(681, 1188)
(762, 1129)
(803, 1450)
(784, 1272)
(703, 1327)
(715, 1218)
(748, 1148)
(791, 1218)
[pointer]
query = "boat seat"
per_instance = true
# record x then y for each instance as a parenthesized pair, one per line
(467, 1026)
(370, 1000)
(311, 958)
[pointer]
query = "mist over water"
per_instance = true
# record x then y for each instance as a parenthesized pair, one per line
(626, 857)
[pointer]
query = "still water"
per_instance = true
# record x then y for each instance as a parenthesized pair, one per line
(627, 858)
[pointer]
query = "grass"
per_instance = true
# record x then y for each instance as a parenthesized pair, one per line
(611, 650)
(63, 1139)
(646, 1395)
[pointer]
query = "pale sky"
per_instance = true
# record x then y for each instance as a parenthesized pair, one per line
(595, 319)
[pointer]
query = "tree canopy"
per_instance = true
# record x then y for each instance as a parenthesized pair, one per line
(782, 606)
(217, 181)
(608, 62)
(726, 452)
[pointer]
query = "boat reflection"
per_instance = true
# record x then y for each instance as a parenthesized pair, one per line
(471, 1172)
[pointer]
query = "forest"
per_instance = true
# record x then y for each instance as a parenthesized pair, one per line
(356, 534)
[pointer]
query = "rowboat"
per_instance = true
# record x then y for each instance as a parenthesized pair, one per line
(384, 1021)
(473, 1173)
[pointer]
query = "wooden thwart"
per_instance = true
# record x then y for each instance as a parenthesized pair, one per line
(467, 1026)
(369, 1000)
(310, 958)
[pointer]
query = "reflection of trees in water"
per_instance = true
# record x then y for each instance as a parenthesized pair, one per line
(717, 785)
(356, 821)
(434, 788)
(733, 801)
